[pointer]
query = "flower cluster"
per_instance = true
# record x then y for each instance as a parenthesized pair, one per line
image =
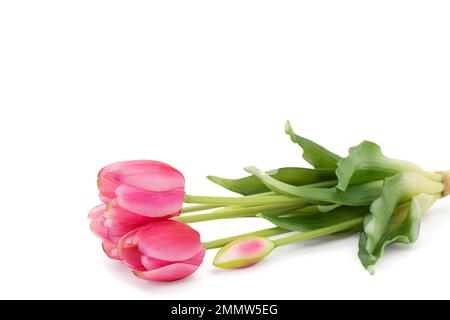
(143, 221)
(138, 199)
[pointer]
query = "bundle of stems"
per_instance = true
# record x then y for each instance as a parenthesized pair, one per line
(381, 198)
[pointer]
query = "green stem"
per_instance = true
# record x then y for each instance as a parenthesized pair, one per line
(238, 212)
(242, 201)
(261, 233)
(200, 207)
(319, 232)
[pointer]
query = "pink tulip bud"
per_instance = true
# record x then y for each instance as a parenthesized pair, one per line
(162, 251)
(243, 253)
(149, 188)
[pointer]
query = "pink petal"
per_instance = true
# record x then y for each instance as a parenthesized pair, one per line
(173, 272)
(152, 264)
(98, 229)
(132, 258)
(96, 211)
(107, 184)
(149, 203)
(104, 199)
(97, 222)
(150, 176)
(111, 250)
(141, 174)
(119, 215)
(120, 221)
(197, 259)
(169, 241)
(129, 251)
(115, 233)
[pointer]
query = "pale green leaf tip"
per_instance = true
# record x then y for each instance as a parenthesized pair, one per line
(252, 170)
(287, 127)
(371, 270)
(215, 179)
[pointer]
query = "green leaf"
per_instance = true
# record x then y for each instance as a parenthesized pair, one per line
(358, 195)
(295, 176)
(313, 153)
(366, 162)
(399, 188)
(403, 228)
(301, 220)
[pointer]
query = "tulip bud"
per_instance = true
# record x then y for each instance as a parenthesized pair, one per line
(162, 251)
(145, 187)
(243, 253)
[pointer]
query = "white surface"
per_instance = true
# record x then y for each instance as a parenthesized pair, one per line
(206, 86)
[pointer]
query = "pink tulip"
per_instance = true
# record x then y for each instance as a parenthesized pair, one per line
(110, 222)
(243, 253)
(162, 251)
(148, 188)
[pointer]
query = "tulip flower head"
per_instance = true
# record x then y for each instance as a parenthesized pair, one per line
(162, 251)
(145, 187)
(243, 253)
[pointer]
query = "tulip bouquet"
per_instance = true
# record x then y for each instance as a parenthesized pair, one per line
(144, 223)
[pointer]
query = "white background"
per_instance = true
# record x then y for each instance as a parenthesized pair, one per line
(206, 86)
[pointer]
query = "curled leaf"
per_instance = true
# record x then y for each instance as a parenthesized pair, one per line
(367, 162)
(399, 188)
(403, 228)
(313, 153)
